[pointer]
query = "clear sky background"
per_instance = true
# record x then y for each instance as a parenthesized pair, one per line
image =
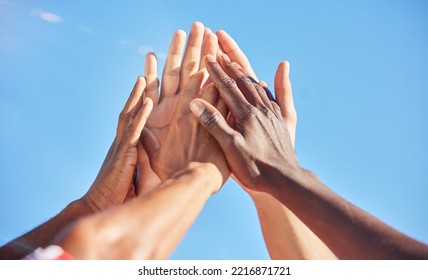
(359, 71)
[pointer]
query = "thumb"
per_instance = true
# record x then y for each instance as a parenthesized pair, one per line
(213, 121)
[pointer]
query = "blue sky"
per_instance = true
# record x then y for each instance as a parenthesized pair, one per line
(359, 74)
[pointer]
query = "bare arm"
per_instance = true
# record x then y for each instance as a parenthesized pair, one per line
(111, 187)
(43, 234)
(286, 237)
(148, 227)
(348, 231)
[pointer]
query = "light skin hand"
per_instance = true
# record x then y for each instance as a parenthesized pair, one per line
(175, 75)
(187, 141)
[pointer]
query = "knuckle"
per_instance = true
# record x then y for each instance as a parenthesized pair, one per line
(210, 120)
(152, 86)
(244, 80)
(122, 116)
(266, 112)
(191, 65)
(227, 82)
(173, 72)
(236, 140)
(247, 114)
(132, 114)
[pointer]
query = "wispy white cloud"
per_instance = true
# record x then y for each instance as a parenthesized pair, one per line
(144, 49)
(46, 16)
(123, 42)
(84, 29)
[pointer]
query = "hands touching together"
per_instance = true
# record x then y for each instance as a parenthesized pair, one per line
(179, 139)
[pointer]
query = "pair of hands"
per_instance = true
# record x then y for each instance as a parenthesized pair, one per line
(171, 123)
(126, 170)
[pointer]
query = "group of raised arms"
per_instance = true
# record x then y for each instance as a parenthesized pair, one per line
(178, 140)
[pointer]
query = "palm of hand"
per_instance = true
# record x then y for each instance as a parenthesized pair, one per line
(158, 125)
(176, 73)
(195, 143)
(161, 116)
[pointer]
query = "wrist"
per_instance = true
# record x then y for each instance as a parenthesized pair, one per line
(85, 204)
(287, 177)
(206, 174)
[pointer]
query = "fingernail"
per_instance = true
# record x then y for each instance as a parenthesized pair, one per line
(197, 108)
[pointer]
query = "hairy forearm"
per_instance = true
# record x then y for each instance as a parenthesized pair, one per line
(348, 231)
(150, 226)
(286, 237)
(43, 234)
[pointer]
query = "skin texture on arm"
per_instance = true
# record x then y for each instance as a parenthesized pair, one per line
(112, 185)
(148, 227)
(348, 231)
(286, 237)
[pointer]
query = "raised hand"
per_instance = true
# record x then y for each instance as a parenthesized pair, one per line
(176, 74)
(282, 84)
(259, 147)
(114, 181)
(286, 237)
(186, 141)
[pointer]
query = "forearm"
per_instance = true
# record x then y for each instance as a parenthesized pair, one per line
(348, 231)
(43, 234)
(286, 237)
(150, 226)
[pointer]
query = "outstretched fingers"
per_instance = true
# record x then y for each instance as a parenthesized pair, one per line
(231, 48)
(284, 97)
(228, 89)
(131, 107)
(151, 75)
(171, 71)
(192, 54)
(138, 123)
(210, 46)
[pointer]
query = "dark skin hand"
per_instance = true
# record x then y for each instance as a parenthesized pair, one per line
(263, 163)
(255, 158)
(112, 186)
